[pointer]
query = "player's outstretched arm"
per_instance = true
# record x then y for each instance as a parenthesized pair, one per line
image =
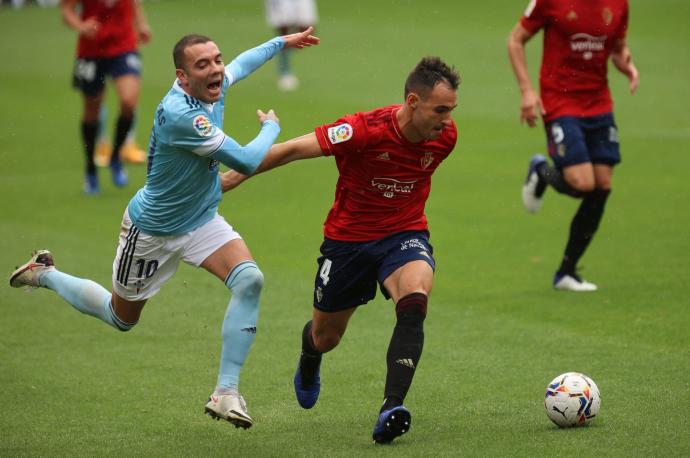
(530, 104)
(301, 39)
(304, 147)
(622, 59)
(250, 60)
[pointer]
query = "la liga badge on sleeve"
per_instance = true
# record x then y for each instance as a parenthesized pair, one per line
(340, 133)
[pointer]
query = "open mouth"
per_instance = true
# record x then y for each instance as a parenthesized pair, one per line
(215, 86)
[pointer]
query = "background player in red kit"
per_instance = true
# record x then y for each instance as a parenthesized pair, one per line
(109, 32)
(376, 232)
(575, 103)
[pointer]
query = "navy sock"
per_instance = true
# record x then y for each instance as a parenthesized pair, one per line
(89, 130)
(405, 348)
(310, 358)
(550, 175)
(582, 229)
(121, 130)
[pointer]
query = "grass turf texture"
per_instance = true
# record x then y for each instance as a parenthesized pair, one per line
(496, 332)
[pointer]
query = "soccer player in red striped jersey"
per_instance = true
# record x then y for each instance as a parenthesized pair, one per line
(376, 233)
(580, 37)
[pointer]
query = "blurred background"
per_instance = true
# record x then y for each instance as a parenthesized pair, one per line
(496, 332)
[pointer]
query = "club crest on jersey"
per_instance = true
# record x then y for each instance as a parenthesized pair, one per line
(203, 126)
(340, 133)
(607, 15)
(427, 159)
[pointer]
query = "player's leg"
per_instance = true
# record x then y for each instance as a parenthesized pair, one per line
(602, 146)
(287, 81)
(409, 287)
(84, 295)
(345, 279)
(125, 71)
(566, 145)
(406, 276)
(219, 249)
(89, 79)
(320, 335)
(103, 146)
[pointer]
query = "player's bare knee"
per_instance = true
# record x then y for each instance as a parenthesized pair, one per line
(583, 185)
(326, 342)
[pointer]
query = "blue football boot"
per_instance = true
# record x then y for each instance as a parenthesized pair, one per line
(391, 424)
(118, 174)
(307, 395)
(91, 183)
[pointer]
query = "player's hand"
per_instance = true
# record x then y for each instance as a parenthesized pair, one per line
(144, 33)
(89, 27)
(230, 180)
(530, 108)
(301, 39)
(633, 77)
(263, 117)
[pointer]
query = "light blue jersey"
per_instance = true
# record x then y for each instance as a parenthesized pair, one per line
(182, 189)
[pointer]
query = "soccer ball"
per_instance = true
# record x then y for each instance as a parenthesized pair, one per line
(572, 399)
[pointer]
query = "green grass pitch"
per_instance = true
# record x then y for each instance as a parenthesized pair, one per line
(496, 332)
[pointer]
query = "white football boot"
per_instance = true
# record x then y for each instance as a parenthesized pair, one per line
(230, 407)
(572, 283)
(532, 193)
(30, 273)
(288, 83)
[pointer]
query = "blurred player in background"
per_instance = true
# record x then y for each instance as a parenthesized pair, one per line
(576, 106)
(109, 33)
(174, 217)
(376, 232)
(287, 16)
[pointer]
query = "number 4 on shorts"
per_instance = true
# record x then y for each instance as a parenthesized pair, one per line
(325, 270)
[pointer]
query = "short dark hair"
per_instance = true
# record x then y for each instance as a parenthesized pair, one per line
(184, 43)
(430, 71)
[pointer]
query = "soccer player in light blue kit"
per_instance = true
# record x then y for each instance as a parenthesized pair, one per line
(174, 216)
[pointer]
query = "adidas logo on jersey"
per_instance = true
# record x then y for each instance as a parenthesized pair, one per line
(406, 362)
(384, 156)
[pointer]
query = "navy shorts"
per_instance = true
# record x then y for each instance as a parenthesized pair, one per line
(572, 140)
(349, 271)
(89, 74)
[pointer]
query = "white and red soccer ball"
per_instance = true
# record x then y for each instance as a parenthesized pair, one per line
(572, 399)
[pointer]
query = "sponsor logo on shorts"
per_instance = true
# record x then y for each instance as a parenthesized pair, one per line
(340, 133)
(319, 294)
(249, 329)
(412, 243)
(391, 187)
(203, 126)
